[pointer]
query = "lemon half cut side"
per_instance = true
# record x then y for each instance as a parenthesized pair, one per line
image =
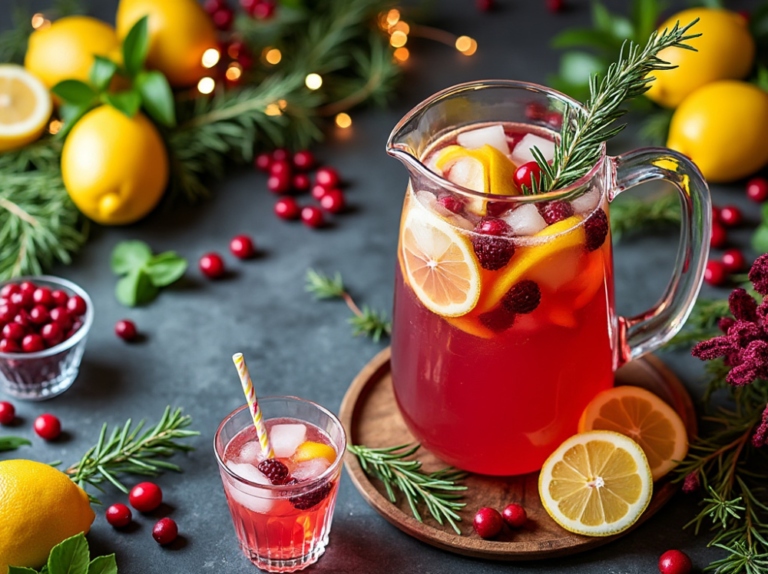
(25, 106)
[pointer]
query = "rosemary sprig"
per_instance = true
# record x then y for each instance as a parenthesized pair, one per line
(585, 130)
(367, 321)
(437, 490)
(128, 452)
(632, 215)
(12, 443)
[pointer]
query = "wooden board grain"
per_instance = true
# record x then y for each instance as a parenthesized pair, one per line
(370, 415)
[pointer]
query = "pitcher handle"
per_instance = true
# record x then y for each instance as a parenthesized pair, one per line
(648, 331)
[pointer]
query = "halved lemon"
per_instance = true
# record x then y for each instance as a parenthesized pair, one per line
(596, 483)
(645, 418)
(439, 263)
(25, 106)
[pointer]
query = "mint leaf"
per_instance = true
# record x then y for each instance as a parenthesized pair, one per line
(165, 268)
(136, 288)
(157, 97)
(101, 72)
(70, 556)
(130, 255)
(103, 565)
(135, 47)
(20, 570)
(12, 443)
(583, 37)
(127, 102)
(760, 239)
(74, 92)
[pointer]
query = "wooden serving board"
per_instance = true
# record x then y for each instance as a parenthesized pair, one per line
(370, 415)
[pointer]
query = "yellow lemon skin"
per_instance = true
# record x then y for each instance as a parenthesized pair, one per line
(726, 51)
(115, 168)
(723, 128)
(65, 51)
(179, 33)
(40, 506)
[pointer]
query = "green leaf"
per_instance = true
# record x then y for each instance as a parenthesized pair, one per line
(645, 14)
(157, 97)
(70, 115)
(127, 102)
(103, 565)
(165, 268)
(136, 288)
(70, 556)
(20, 570)
(102, 71)
(761, 79)
(760, 239)
(128, 256)
(74, 92)
(577, 67)
(135, 46)
(618, 26)
(12, 443)
(580, 37)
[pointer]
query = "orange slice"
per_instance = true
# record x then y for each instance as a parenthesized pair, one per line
(645, 418)
(439, 264)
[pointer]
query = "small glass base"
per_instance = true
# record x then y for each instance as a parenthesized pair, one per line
(44, 383)
(290, 565)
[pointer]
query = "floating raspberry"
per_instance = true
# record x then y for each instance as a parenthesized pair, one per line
(498, 320)
(692, 483)
(554, 211)
(274, 470)
(596, 229)
(759, 274)
(307, 501)
(760, 438)
(451, 204)
(742, 305)
(522, 298)
(493, 251)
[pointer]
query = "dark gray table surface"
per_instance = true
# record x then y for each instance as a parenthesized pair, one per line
(300, 347)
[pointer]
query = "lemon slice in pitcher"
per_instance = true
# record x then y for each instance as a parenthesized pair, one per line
(25, 106)
(440, 264)
(596, 483)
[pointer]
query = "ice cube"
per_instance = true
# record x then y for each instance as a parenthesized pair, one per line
(431, 164)
(525, 220)
(522, 152)
(256, 499)
(467, 172)
(428, 200)
(586, 203)
(286, 438)
(494, 136)
(250, 453)
(310, 469)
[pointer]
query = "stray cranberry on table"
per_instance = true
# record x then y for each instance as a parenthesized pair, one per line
(303, 160)
(7, 413)
(165, 531)
(212, 265)
(311, 216)
(280, 166)
(730, 215)
(119, 515)
(126, 330)
(333, 201)
(488, 522)
(485, 5)
(242, 247)
(287, 208)
(318, 191)
(223, 18)
(301, 182)
(675, 562)
(281, 154)
(715, 273)
(514, 515)
(279, 182)
(733, 259)
(327, 177)
(555, 5)
(146, 497)
(757, 189)
(47, 427)
(263, 162)
(718, 236)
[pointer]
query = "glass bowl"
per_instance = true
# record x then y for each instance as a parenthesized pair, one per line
(44, 374)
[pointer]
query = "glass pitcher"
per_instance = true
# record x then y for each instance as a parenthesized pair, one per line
(504, 324)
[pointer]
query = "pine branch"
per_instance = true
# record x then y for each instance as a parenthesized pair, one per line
(701, 324)
(438, 490)
(631, 215)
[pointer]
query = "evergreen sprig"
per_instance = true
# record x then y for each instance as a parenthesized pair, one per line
(439, 490)
(632, 215)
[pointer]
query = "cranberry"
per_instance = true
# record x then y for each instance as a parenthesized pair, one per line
(213, 6)
(223, 18)
(535, 111)
(718, 237)
(716, 214)
(52, 334)
(242, 247)
(76, 306)
(165, 531)
(715, 273)
(675, 562)
(311, 216)
(61, 316)
(212, 265)
(303, 159)
(7, 413)
(318, 191)
(119, 515)
(279, 183)
(327, 177)
(281, 166)
(525, 174)
(22, 318)
(263, 162)
(47, 427)
(7, 312)
(555, 5)
(515, 515)
(555, 119)
(757, 189)
(333, 201)
(733, 259)
(248, 4)
(730, 215)
(9, 346)
(287, 208)
(14, 332)
(22, 299)
(60, 298)
(43, 296)
(488, 522)
(301, 182)
(32, 343)
(9, 290)
(126, 330)
(39, 315)
(145, 497)
(484, 5)
(264, 10)
(281, 154)
(27, 287)
(75, 327)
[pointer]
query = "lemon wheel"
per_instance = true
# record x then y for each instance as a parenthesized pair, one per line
(25, 107)
(596, 483)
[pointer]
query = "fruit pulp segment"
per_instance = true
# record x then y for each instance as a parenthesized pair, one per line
(273, 528)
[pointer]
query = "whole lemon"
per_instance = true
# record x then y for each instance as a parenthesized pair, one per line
(180, 32)
(40, 507)
(65, 51)
(726, 51)
(723, 128)
(115, 168)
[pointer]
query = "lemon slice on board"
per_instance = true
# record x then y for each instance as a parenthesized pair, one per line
(645, 418)
(25, 106)
(439, 263)
(596, 483)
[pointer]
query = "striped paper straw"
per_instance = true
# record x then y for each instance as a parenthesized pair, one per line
(253, 405)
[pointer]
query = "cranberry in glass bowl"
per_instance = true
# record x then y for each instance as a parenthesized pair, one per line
(48, 368)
